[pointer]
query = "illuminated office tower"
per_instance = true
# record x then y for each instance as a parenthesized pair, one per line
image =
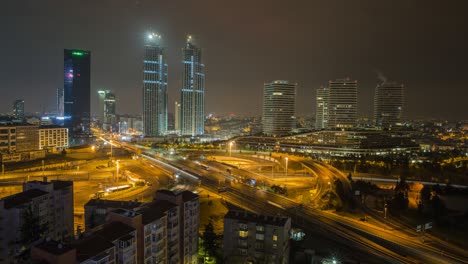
(192, 106)
(154, 87)
(388, 104)
(321, 109)
(77, 92)
(107, 115)
(279, 108)
(342, 103)
(18, 108)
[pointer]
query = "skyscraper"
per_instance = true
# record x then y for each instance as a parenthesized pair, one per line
(321, 109)
(107, 114)
(154, 87)
(279, 108)
(177, 117)
(60, 101)
(77, 93)
(192, 116)
(18, 108)
(388, 104)
(342, 103)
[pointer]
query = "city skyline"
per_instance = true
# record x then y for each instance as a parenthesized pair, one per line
(401, 47)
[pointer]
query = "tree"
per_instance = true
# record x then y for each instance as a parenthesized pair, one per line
(210, 240)
(31, 229)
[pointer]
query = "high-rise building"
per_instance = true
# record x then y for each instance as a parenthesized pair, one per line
(279, 108)
(192, 106)
(107, 115)
(154, 87)
(388, 104)
(18, 108)
(256, 238)
(177, 117)
(60, 101)
(77, 93)
(342, 103)
(321, 109)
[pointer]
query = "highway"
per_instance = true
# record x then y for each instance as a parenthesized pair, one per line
(389, 246)
(386, 245)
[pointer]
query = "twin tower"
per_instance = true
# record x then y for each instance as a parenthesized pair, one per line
(191, 121)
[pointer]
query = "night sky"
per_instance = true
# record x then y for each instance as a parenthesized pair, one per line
(423, 44)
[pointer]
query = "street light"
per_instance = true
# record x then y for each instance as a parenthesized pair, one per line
(230, 147)
(286, 172)
(110, 141)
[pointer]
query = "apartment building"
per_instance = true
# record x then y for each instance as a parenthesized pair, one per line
(96, 210)
(189, 221)
(252, 238)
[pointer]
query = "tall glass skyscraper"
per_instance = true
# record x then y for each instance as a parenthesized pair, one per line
(77, 93)
(18, 108)
(279, 108)
(342, 103)
(388, 104)
(154, 87)
(321, 109)
(192, 106)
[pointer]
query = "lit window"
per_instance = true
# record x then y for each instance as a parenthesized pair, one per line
(260, 228)
(275, 237)
(243, 233)
(260, 236)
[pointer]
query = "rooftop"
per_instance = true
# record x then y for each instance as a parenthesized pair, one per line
(255, 218)
(186, 195)
(58, 185)
(155, 210)
(90, 247)
(53, 247)
(125, 212)
(113, 204)
(114, 230)
(22, 198)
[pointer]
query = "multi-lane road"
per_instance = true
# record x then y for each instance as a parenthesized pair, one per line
(385, 245)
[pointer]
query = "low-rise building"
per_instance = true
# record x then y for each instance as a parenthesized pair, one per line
(53, 138)
(252, 238)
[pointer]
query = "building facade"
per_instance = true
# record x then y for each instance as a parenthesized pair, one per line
(53, 138)
(321, 108)
(77, 93)
(42, 209)
(342, 103)
(279, 108)
(388, 104)
(62, 217)
(188, 222)
(251, 238)
(154, 87)
(192, 106)
(19, 143)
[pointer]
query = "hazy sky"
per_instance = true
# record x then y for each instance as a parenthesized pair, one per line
(422, 44)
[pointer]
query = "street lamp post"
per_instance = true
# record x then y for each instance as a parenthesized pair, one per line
(286, 172)
(110, 142)
(230, 148)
